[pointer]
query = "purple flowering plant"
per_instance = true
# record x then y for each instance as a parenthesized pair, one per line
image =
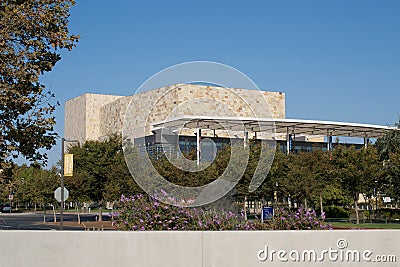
(144, 213)
(300, 219)
(139, 213)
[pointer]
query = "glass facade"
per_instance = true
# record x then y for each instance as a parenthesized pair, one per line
(187, 144)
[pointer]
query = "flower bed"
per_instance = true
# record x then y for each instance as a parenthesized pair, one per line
(141, 213)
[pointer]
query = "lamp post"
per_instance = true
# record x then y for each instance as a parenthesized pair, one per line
(63, 140)
(276, 194)
(376, 196)
(10, 197)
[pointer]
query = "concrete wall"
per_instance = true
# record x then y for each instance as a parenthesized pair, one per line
(206, 249)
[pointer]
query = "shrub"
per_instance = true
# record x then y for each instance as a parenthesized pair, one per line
(389, 213)
(336, 212)
(366, 214)
(139, 213)
(301, 219)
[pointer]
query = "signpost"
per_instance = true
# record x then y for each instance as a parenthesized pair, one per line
(10, 197)
(66, 170)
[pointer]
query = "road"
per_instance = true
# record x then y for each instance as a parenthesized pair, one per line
(35, 221)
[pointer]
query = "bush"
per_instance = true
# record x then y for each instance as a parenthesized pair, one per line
(139, 213)
(390, 214)
(366, 214)
(336, 212)
(301, 219)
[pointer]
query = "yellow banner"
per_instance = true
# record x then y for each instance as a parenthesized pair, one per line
(68, 164)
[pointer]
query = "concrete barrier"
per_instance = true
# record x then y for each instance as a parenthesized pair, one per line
(192, 249)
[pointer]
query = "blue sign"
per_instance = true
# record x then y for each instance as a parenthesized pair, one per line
(267, 213)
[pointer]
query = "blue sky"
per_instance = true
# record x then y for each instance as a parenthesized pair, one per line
(335, 60)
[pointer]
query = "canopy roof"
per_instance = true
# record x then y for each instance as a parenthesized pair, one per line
(281, 126)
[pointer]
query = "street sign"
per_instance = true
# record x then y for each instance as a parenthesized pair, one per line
(68, 164)
(57, 194)
(267, 213)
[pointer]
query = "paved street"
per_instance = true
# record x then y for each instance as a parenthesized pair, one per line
(35, 221)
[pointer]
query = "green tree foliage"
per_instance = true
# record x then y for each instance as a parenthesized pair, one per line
(217, 168)
(119, 180)
(389, 143)
(321, 179)
(300, 183)
(303, 176)
(259, 163)
(32, 34)
(100, 172)
(315, 178)
(389, 152)
(34, 185)
(277, 176)
(357, 170)
(333, 194)
(391, 176)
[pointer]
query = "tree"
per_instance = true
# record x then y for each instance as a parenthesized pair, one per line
(357, 170)
(323, 172)
(307, 175)
(6, 181)
(34, 184)
(389, 143)
(277, 176)
(100, 172)
(391, 175)
(119, 180)
(77, 186)
(389, 151)
(32, 33)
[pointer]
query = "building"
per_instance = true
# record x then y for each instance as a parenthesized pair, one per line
(202, 110)
(95, 116)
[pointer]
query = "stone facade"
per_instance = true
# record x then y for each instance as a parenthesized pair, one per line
(82, 116)
(93, 117)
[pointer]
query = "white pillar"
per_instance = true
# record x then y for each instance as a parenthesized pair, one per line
(328, 140)
(365, 141)
(198, 139)
(287, 141)
(245, 137)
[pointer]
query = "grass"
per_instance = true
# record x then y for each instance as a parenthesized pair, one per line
(348, 225)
